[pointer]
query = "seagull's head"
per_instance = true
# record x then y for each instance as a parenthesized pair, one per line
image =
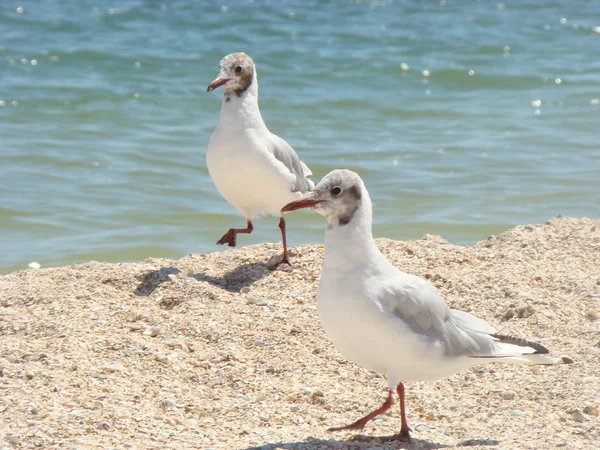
(236, 73)
(338, 197)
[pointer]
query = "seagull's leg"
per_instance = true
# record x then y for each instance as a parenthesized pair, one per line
(230, 238)
(284, 264)
(404, 430)
(359, 424)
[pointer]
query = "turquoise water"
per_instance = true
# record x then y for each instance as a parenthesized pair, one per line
(464, 118)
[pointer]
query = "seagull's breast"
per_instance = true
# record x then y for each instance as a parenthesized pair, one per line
(246, 173)
(354, 323)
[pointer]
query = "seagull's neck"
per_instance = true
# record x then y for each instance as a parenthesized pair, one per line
(348, 246)
(242, 111)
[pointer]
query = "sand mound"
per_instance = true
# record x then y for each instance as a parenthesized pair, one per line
(216, 351)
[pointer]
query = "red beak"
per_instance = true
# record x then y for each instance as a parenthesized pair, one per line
(300, 204)
(217, 83)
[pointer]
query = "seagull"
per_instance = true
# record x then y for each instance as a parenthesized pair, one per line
(256, 171)
(388, 321)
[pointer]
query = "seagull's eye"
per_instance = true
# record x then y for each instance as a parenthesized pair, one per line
(336, 190)
(239, 69)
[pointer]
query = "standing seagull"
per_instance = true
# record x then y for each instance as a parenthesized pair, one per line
(389, 321)
(256, 171)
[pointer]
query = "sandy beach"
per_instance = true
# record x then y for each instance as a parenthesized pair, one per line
(216, 351)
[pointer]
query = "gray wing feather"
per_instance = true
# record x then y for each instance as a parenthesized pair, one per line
(285, 154)
(470, 322)
(417, 304)
(306, 170)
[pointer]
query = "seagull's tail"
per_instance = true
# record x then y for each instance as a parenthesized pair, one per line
(514, 350)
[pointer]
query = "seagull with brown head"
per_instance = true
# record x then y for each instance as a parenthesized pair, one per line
(389, 321)
(256, 171)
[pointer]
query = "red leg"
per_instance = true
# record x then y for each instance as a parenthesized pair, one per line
(404, 430)
(230, 237)
(359, 424)
(284, 264)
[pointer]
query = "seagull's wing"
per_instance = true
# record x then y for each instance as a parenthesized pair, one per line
(470, 322)
(416, 303)
(285, 155)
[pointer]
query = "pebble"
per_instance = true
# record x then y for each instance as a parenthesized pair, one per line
(590, 411)
(256, 301)
(163, 359)
(12, 359)
(245, 290)
(525, 311)
(182, 274)
(319, 394)
(114, 367)
(189, 422)
(517, 413)
(12, 438)
(592, 314)
(509, 395)
(168, 403)
(577, 416)
(152, 332)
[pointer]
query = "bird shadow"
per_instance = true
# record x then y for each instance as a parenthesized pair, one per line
(376, 441)
(238, 278)
(475, 442)
(152, 280)
(232, 281)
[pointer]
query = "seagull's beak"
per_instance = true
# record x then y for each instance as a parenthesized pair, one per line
(307, 202)
(220, 81)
